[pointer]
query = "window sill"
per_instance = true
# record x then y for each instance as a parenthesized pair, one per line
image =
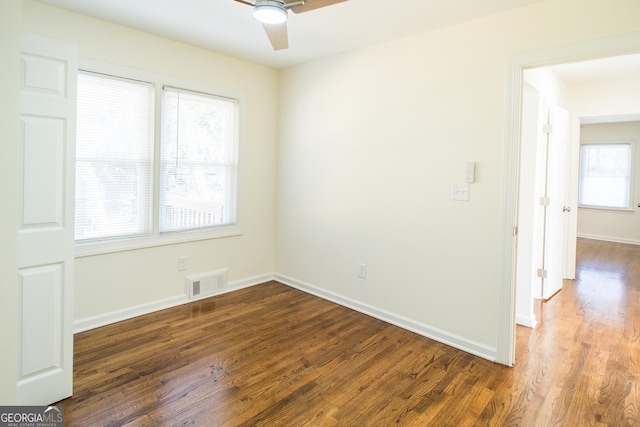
(598, 208)
(107, 247)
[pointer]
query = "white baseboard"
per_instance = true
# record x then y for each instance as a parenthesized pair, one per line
(250, 281)
(610, 239)
(461, 343)
(434, 333)
(529, 322)
(81, 325)
(93, 322)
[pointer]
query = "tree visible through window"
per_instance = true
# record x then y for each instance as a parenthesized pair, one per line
(605, 175)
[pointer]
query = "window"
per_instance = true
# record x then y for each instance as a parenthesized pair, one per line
(152, 161)
(114, 157)
(605, 175)
(197, 160)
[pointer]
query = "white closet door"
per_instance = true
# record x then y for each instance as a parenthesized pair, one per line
(46, 219)
(555, 212)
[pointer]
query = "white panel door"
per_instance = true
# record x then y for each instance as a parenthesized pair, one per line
(46, 219)
(556, 201)
(571, 191)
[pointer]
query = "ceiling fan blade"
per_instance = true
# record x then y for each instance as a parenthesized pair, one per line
(250, 3)
(312, 4)
(277, 34)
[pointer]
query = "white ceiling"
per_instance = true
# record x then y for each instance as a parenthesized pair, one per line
(228, 27)
(625, 67)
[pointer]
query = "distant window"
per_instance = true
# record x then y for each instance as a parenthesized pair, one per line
(142, 173)
(605, 175)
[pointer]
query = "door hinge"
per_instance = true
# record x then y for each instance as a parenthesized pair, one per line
(545, 201)
(515, 230)
(542, 273)
(547, 128)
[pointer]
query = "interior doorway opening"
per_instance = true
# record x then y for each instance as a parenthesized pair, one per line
(509, 293)
(584, 89)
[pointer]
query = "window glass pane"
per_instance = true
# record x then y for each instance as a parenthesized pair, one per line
(114, 154)
(197, 161)
(605, 175)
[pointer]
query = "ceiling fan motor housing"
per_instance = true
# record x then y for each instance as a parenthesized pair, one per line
(273, 16)
(270, 11)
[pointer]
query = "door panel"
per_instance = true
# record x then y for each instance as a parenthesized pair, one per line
(45, 229)
(41, 299)
(43, 174)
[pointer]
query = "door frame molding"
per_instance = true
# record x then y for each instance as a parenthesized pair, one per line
(516, 64)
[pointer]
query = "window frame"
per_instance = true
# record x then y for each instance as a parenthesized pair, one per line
(145, 199)
(632, 148)
(231, 165)
(155, 237)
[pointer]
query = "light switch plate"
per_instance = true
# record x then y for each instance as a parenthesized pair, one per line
(470, 172)
(460, 192)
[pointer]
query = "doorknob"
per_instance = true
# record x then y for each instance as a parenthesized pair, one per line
(568, 208)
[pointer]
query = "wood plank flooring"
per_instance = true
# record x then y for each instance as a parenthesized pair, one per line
(271, 355)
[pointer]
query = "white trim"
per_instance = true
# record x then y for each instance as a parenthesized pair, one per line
(93, 322)
(609, 239)
(516, 64)
(92, 65)
(529, 322)
(428, 331)
(506, 337)
(107, 247)
(250, 281)
(606, 208)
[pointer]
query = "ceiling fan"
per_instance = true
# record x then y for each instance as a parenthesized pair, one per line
(273, 16)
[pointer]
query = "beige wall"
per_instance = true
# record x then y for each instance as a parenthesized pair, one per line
(9, 134)
(370, 144)
(131, 280)
(621, 226)
(552, 89)
(614, 97)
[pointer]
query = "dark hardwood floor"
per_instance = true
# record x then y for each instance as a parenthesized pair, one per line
(271, 355)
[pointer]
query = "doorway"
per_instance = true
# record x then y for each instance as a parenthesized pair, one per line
(580, 52)
(546, 249)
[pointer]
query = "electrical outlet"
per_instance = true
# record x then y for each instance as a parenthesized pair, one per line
(182, 263)
(362, 271)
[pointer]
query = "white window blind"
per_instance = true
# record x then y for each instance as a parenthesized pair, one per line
(198, 160)
(114, 157)
(605, 175)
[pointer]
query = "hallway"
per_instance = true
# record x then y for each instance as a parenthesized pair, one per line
(583, 360)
